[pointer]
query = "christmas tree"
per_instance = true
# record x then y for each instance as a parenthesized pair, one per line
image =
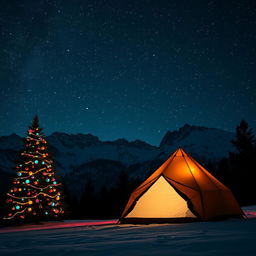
(35, 194)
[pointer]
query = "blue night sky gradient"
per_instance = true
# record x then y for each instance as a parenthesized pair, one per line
(131, 69)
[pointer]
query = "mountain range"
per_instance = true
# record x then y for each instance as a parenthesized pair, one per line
(80, 157)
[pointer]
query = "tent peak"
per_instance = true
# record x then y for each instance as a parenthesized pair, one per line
(180, 152)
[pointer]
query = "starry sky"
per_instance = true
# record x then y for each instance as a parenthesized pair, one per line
(127, 69)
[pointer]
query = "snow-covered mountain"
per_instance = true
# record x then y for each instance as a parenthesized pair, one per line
(202, 143)
(75, 150)
(83, 156)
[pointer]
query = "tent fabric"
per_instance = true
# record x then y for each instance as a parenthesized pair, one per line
(203, 196)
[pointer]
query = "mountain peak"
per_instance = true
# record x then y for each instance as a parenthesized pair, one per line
(8, 141)
(172, 137)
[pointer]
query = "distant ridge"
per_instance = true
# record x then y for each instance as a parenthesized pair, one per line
(82, 156)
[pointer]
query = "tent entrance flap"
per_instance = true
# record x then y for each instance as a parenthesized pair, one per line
(161, 201)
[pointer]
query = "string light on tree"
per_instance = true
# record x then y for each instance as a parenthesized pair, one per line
(35, 194)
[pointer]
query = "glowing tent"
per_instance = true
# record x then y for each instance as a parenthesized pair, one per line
(180, 190)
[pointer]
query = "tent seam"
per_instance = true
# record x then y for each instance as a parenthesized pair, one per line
(200, 192)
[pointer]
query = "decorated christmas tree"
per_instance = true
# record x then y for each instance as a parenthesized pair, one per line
(35, 194)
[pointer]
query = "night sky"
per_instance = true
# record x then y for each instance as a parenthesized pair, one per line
(131, 69)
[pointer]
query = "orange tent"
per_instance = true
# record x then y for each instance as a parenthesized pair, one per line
(180, 190)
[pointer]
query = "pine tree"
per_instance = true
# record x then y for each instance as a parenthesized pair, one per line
(35, 194)
(242, 164)
(245, 139)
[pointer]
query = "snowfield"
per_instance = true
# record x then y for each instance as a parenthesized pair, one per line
(232, 237)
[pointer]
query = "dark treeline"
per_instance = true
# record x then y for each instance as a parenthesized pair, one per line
(238, 170)
(107, 203)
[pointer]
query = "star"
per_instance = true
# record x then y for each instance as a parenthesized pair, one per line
(163, 65)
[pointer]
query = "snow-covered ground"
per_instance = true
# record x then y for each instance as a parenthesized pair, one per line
(232, 237)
